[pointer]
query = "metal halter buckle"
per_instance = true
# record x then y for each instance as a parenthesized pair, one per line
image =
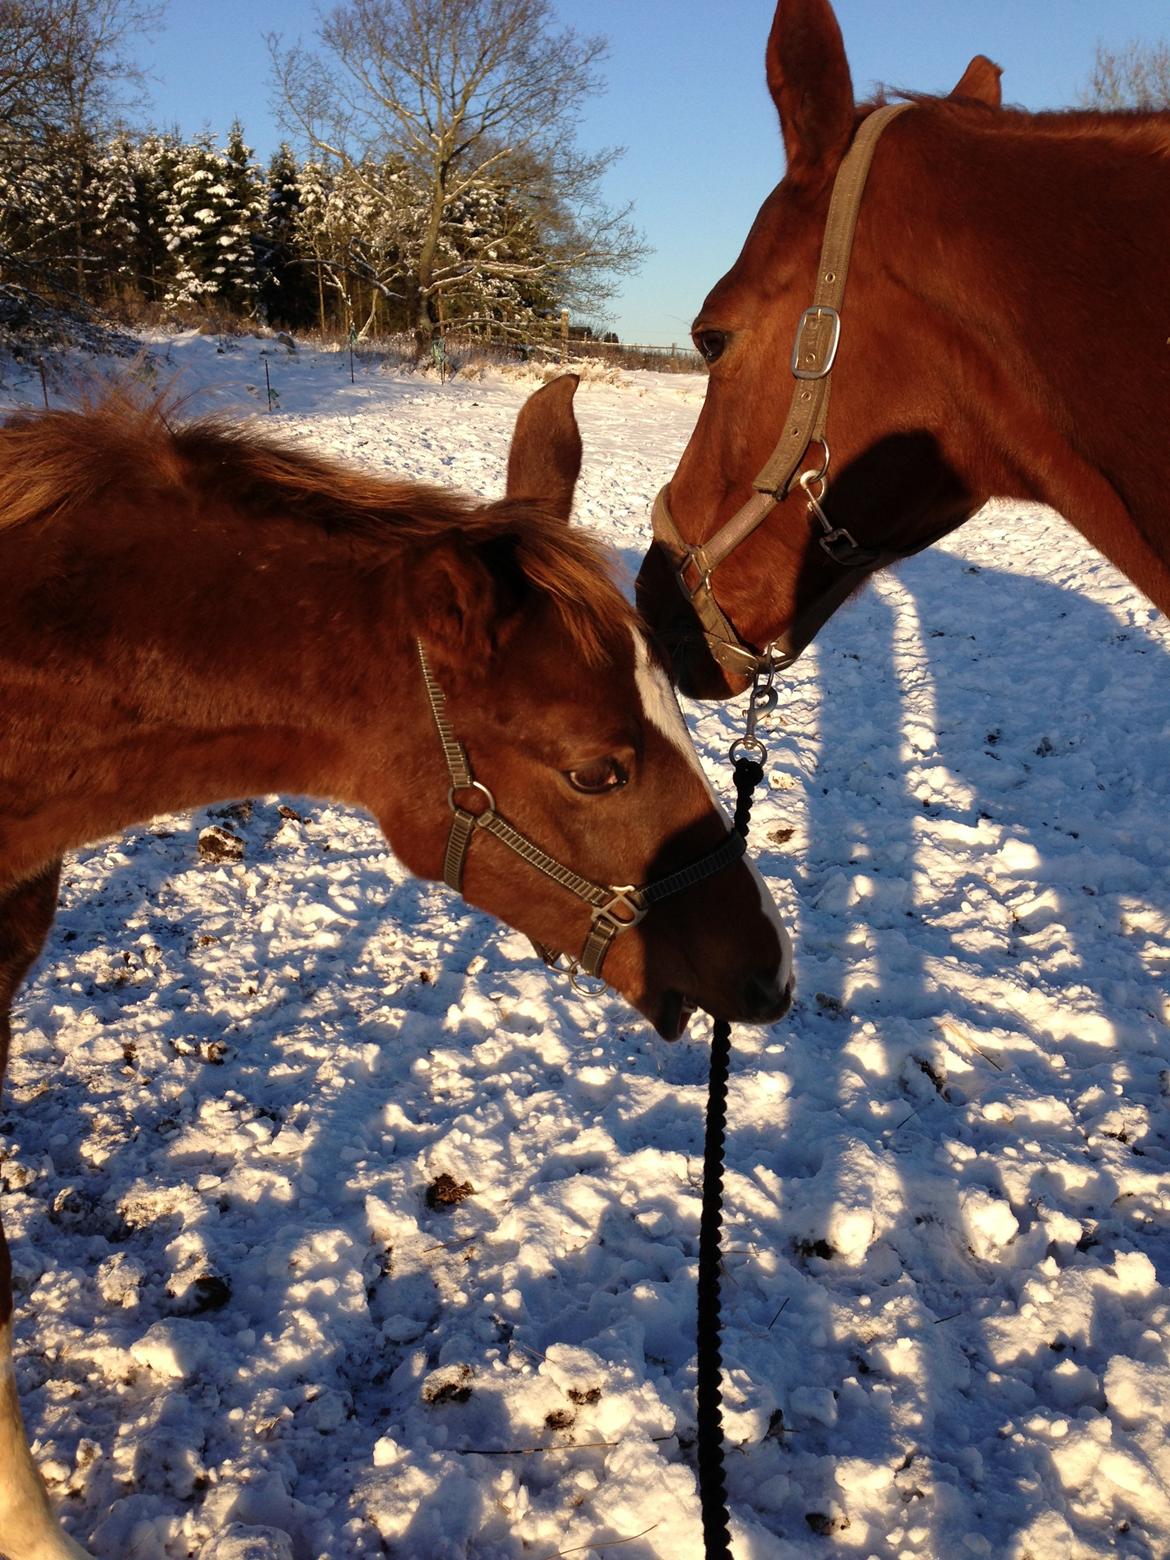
(811, 360)
(703, 580)
(625, 909)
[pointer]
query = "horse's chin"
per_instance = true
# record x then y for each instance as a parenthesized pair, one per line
(698, 675)
(672, 1015)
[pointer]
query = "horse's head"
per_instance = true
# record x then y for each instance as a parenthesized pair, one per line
(892, 484)
(542, 674)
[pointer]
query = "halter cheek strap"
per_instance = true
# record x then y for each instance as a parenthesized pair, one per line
(814, 352)
(614, 909)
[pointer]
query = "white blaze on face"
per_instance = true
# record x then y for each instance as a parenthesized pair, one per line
(662, 710)
(660, 707)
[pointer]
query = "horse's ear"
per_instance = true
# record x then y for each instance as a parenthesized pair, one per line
(808, 77)
(544, 461)
(466, 600)
(980, 83)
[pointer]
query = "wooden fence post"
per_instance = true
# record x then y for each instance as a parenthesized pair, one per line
(564, 334)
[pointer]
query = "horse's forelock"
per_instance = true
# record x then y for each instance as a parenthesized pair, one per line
(577, 573)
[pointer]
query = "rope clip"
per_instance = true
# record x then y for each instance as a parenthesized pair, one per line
(764, 698)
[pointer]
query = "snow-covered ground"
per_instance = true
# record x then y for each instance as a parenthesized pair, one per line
(245, 1330)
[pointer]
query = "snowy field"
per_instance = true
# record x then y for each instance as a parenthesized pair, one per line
(246, 1333)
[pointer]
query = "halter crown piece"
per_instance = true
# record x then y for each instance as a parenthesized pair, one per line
(614, 908)
(814, 351)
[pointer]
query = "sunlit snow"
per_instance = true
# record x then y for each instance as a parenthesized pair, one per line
(242, 1328)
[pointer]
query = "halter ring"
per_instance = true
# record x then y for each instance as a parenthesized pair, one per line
(472, 785)
(578, 980)
(750, 746)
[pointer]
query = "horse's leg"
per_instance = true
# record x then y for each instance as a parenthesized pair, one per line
(28, 1529)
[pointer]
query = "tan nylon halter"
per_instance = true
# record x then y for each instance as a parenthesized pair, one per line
(813, 354)
(614, 908)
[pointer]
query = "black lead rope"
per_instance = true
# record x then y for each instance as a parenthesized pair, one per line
(712, 1475)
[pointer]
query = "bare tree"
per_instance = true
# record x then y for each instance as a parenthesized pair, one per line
(471, 96)
(25, 78)
(66, 72)
(1134, 76)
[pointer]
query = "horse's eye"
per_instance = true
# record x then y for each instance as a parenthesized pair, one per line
(594, 779)
(710, 343)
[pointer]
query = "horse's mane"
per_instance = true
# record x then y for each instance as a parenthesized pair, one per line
(53, 462)
(1140, 130)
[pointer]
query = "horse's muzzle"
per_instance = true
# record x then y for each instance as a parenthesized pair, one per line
(767, 998)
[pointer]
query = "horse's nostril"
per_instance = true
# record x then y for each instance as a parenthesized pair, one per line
(767, 998)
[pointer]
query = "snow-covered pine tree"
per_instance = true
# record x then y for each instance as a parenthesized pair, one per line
(246, 209)
(115, 223)
(214, 210)
(285, 272)
(156, 165)
(38, 212)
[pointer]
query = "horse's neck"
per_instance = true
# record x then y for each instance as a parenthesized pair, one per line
(235, 664)
(1058, 265)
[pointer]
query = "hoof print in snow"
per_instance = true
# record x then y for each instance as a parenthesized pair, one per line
(219, 845)
(560, 1419)
(814, 1248)
(445, 1191)
(825, 1526)
(209, 1293)
(448, 1384)
(585, 1394)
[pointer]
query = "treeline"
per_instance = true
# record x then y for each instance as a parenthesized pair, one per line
(438, 182)
(150, 226)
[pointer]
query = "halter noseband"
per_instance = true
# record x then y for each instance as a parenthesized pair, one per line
(813, 354)
(614, 908)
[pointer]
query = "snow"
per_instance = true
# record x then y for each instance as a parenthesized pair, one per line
(244, 1333)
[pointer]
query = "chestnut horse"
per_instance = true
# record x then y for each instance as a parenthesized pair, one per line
(195, 614)
(1004, 331)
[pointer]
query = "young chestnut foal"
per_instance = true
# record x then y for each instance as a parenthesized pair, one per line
(194, 614)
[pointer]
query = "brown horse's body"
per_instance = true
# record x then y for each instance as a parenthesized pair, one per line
(1005, 331)
(192, 616)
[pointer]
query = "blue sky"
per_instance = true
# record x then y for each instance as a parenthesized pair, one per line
(685, 96)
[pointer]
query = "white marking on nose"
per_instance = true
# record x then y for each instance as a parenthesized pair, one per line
(662, 710)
